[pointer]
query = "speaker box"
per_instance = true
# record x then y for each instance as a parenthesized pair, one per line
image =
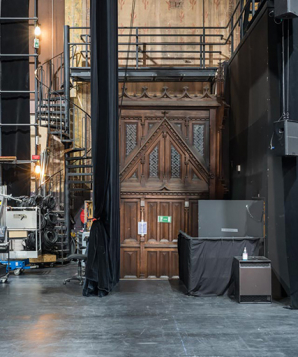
(285, 138)
(252, 280)
(286, 9)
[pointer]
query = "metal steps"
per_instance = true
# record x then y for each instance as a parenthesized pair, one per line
(78, 158)
(78, 166)
(60, 115)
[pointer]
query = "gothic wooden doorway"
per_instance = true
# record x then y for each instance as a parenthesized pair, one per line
(166, 155)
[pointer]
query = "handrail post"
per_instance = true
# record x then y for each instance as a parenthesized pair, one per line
(86, 128)
(144, 55)
(204, 49)
(67, 128)
(201, 52)
(61, 69)
(232, 34)
(66, 77)
(253, 7)
(137, 48)
(49, 96)
(86, 49)
(241, 20)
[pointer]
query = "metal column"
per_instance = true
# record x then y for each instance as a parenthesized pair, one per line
(67, 122)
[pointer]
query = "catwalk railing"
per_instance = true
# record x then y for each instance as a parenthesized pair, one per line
(140, 47)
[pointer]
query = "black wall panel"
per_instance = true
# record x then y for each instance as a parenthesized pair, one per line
(255, 91)
(15, 107)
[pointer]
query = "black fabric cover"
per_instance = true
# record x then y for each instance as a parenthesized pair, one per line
(290, 171)
(15, 107)
(205, 264)
(103, 262)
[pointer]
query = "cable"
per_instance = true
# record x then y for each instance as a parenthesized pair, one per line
(127, 57)
(251, 216)
(285, 82)
(283, 70)
(288, 72)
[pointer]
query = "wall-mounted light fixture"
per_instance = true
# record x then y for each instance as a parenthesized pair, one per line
(37, 169)
(37, 31)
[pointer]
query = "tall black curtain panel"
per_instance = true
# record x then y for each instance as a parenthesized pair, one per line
(103, 262)
(15, 140)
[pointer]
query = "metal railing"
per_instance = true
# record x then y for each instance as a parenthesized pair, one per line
(155, 46)
(56, 111)
(140, 47)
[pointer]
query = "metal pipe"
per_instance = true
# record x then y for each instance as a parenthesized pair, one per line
(173, 43)
(86, 128)
(241, 20)
(86, 53)
(19, 18)
(288, 69)
(283, 70)
(232, 37)
(167, 28)
(137, 48)
(170, 35)
(49, 96)
(36, 131)
(17, 91)
(201, 50)
(79, 43)
(67, 203)
(17, 55)
(66, 76)
(157, 51)
(17, 162)
(16, 124)
(67, 127)
(203, 47)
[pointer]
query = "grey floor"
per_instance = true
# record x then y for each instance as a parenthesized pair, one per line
(41, 317)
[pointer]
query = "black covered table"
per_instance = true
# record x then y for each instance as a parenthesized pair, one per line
(205, 264)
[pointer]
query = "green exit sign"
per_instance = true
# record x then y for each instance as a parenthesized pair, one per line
(164, 219)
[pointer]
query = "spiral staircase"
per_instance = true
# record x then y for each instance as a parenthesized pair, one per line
(70, 125)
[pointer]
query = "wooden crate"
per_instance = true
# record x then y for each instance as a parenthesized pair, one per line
(44, 258)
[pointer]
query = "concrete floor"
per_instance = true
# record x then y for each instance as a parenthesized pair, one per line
(41, 317)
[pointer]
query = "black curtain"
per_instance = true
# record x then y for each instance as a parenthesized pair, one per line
(15, 107)
(103, 262)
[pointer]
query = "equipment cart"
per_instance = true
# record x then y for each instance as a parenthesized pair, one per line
(20, 221)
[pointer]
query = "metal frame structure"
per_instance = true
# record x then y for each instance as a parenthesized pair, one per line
(139, 51)
(31, 20)
(26, 254)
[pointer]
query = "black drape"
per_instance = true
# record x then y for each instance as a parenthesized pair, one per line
(290, 172)
(102, 268)
(15, 107)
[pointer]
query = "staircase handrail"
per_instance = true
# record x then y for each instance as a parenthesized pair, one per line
(59, 171)
(58, 94)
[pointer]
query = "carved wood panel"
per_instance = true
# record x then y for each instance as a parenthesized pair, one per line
(164, 170)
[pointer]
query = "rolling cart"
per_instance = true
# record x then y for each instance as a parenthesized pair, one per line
(20, 221)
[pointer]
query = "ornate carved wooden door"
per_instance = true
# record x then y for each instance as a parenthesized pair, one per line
(165, 160)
